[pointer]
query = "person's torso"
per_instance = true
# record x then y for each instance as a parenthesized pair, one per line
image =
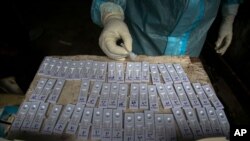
(151, 23)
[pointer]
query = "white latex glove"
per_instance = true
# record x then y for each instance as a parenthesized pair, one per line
(225, 35)
(229, 11)
(114, 29)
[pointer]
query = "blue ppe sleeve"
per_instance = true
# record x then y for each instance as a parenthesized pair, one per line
(232, 1)
(95, 9)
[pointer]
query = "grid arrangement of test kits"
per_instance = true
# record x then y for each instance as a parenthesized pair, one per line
(122, 101)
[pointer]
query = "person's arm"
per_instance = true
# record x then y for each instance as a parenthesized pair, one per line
(111, 17)
(229, 11)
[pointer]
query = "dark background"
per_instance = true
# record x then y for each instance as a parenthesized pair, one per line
(31, 30)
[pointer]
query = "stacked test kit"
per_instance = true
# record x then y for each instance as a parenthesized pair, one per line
(121, 101)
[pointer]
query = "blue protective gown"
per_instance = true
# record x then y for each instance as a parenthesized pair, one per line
(166, 27)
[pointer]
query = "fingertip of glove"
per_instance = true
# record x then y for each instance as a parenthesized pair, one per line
(117, 58)
(216, 47)
(121, 59)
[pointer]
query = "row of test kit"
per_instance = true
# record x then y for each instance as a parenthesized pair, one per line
(131, 96)
(116, 72)
(116, 125)
(132, 101)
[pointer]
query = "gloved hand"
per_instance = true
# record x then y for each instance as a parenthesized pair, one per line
(114, 29)
(225, 35)
(226, 28)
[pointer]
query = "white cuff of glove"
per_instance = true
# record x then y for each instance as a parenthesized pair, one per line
(111, 10)
(230, 9)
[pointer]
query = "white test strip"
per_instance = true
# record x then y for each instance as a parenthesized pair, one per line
(40, 85)
(53, 97)
(83, 130)
(129, 72)
(145, 72)
(39, 117)
(201, 95)
(86, 71)
(96, 88)
(51, 66)
(92, 100)
(155, 75)
(193, 123)
(94, 95)
(96, 132)
(101, 72)
(117, 133)
(212, 96)
(182, 96)
(64, 118)
(172, 96)
(215, 124)
(180, 71)
(134, 96)
(23, 110)
(83, 96)
(175, 77)
(113, 96)
(122, 99)
(153, 99)
(37, 91)
(57, 67)
(94, 70)
(204, 122)
(164, 73)
(149, 126)
(223, 122)
(107, 125)
(79, 67)
(44, 65)
(164, 97)
(119, 72)
(30, 116)
(191, 95)
(159, 128)
(62, 73)
(103, 102)
(182, 124)
(129, 123)
(71, 70)
(139, 127)
(112, 72)
(51, 120)
(137, 72)
(46, 90)
(143, 97)
(170, 127)
(75, 119)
